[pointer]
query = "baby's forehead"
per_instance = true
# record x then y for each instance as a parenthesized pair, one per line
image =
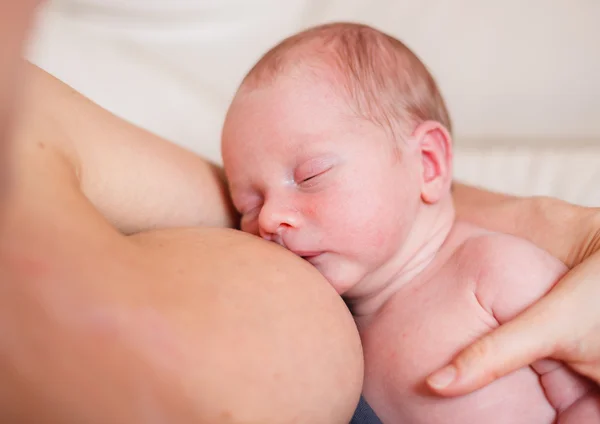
(304, 89)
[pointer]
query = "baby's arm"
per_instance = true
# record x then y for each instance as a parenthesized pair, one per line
(513, 275)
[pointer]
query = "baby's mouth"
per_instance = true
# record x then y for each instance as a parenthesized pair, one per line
(307, 255)
(310, 256)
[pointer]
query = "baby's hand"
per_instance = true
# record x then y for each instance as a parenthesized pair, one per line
(575, 398)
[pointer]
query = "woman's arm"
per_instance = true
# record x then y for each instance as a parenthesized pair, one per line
(137, 180)
(565, 324)
(569, 232)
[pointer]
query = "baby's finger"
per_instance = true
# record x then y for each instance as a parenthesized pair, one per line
(518, 343)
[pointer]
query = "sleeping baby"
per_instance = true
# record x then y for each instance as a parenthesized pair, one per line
(338, 147)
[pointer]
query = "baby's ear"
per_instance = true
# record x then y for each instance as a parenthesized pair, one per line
(435, 144)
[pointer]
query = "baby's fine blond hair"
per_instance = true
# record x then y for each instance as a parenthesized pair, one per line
(382, 79)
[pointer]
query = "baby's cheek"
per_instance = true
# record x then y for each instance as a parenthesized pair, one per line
(326, 207)
(311, 208)
(355, 216)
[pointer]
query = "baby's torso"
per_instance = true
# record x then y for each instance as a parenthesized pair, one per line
(420, 329)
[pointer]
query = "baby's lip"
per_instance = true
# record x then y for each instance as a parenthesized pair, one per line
(308, 255)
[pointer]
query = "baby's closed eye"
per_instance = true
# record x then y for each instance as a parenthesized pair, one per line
(306, 174)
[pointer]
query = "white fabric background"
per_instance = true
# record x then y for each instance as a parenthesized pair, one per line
(521, 78)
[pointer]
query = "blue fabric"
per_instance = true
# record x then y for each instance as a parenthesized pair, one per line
(364, 414)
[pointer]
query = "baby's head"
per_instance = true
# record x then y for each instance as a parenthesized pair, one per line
(335, 145)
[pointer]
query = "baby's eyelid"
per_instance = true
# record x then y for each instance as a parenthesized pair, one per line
(312, 169)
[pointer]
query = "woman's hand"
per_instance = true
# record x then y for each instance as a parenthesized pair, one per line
(565, 324)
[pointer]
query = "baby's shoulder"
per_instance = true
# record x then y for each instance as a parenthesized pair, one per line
(485, 257)
(486, 250)
(507, 273)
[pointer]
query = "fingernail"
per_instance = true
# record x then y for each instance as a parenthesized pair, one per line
(443, 377)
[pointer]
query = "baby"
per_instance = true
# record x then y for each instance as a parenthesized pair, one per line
(337, 146)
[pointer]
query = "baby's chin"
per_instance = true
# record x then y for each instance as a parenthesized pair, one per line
(342, 277)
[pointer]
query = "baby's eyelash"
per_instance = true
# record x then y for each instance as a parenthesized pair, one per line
(312, 168)
(310, 178)
(314, 175)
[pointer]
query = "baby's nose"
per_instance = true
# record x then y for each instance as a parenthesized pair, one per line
(274, 221)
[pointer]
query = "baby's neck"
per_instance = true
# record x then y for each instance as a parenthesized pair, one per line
(425, 240)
